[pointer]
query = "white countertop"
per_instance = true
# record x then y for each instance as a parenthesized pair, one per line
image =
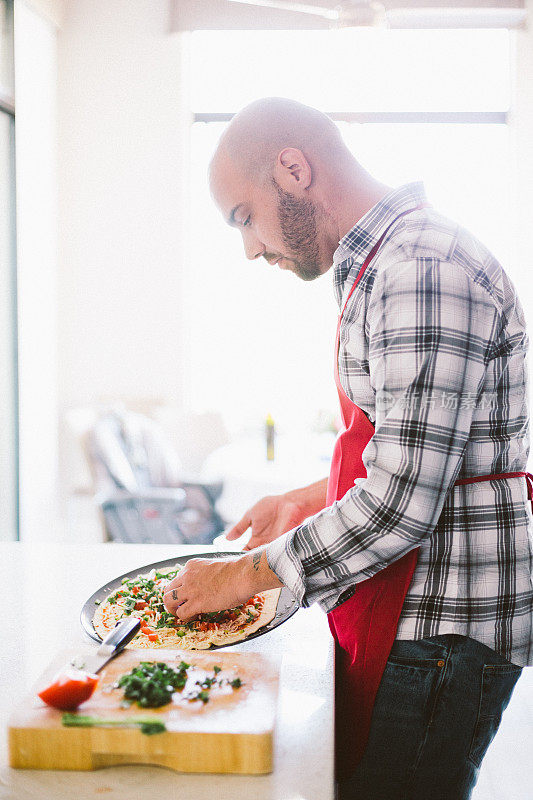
(43, 589)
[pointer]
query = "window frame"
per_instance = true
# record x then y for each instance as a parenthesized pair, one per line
(7, 107)
(409, 117)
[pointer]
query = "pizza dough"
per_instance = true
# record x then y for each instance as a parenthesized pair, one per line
(142, 597)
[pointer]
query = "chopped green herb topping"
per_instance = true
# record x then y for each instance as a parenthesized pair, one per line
(151, 684)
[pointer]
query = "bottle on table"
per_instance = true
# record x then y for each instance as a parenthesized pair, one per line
(269, 434)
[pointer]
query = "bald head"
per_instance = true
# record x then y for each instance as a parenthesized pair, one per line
(283, 176)
(260, 131)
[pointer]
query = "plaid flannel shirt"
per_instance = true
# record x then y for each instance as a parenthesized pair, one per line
(433, 348)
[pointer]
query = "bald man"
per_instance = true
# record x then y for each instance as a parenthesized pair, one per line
(417, 546)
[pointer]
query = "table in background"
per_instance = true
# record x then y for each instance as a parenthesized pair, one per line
(247, 476)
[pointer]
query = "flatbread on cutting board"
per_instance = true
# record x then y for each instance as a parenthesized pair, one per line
(148, 589)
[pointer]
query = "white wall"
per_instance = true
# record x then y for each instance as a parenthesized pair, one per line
(121, 176)
(123, 132)
(521, 123)
(36, 148)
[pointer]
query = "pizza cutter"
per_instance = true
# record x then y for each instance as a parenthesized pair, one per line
(112, 645)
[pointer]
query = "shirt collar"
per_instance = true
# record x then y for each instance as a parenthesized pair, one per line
(358, 242)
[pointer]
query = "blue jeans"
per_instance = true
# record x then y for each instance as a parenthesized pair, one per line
(438, 708)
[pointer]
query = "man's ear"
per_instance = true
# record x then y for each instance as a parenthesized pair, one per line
(293, 171)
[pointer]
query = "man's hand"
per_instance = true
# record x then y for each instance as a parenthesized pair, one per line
(213, 585)
(273, 516)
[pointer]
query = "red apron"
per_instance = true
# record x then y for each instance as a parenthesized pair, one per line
(364, 626)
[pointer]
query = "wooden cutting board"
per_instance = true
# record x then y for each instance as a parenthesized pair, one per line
(233, 732)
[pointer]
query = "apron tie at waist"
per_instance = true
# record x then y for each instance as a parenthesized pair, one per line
(497, 476)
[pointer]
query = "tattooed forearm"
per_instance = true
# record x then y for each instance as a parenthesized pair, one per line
(255, 572)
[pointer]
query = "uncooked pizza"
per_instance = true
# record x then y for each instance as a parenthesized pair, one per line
(142, 597)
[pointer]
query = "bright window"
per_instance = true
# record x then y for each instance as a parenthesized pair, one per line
(353, 70)
(261, 340)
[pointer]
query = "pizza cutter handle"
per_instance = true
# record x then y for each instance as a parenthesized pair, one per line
(122, 633)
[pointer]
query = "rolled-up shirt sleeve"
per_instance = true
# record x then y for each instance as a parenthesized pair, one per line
(430, 328)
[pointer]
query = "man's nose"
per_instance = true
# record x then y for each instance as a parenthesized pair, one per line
(253, 248)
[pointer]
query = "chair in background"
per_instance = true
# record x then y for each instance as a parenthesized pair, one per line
(138, 486)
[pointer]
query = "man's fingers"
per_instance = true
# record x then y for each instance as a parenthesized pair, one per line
(255, 541)
(173, 584)
(183, 613)
(173, 599)
(168, 602)
(258, 541)
(187, 611)
(240, 528)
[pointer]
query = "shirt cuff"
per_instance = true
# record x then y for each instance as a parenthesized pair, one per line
(283, 561)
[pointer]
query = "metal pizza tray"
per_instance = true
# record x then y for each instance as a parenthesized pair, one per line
(287, 605)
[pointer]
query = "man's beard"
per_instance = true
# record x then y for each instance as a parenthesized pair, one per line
(297, 220)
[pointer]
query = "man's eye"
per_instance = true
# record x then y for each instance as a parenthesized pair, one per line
(247, 221)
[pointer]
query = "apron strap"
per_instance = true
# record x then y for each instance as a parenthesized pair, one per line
(366, 262)
(376, 247)
(498, 476)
